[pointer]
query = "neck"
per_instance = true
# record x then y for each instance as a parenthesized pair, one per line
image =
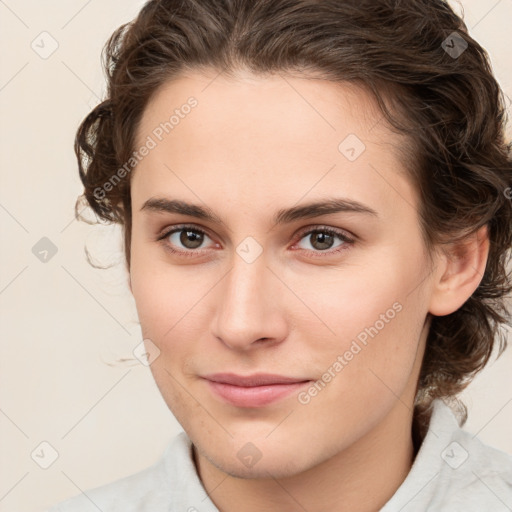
(361, 478)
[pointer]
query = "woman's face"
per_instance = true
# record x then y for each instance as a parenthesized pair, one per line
(331, 297)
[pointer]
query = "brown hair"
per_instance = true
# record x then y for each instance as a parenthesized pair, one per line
(432, 81)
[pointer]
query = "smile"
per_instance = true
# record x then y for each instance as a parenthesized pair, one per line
(253, 391)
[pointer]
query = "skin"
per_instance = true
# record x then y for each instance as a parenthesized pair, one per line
(252, 146)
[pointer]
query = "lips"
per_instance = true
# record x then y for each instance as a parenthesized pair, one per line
(255, 390)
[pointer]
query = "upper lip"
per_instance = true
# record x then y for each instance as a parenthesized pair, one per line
(257, 379)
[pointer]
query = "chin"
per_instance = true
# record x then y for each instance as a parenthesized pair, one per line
(263, 459)
(275, 467)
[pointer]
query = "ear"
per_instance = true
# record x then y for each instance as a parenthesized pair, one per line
(459, 271)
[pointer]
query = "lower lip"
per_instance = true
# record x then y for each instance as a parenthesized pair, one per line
(254, 396)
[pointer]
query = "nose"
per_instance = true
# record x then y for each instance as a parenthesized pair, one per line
(250, 309)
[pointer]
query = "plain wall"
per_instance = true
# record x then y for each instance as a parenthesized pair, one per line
(64, 323)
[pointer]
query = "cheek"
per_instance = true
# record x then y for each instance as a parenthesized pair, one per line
(351, 299)
(164, 301)
(371, 315)
(172, 305)
(154, 301)
(355, 302)
(160, 290)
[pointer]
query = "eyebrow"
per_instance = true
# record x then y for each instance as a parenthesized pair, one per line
(287, 215)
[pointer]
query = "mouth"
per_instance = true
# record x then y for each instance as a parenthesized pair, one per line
(255, 390)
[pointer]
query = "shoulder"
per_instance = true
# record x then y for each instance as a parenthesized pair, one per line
(474, 474)
(168, 481)
(454, 471)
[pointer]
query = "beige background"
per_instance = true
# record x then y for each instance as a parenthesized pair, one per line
(65, 323)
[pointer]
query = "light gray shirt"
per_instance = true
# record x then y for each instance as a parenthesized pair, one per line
(453, 471)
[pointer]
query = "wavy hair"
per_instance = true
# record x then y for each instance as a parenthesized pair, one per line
(432, 81)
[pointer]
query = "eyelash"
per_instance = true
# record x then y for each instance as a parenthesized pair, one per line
(347, 241)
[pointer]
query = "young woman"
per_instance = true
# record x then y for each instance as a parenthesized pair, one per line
(316, 201)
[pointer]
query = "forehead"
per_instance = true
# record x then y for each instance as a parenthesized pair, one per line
(255, 137)
(312, 111)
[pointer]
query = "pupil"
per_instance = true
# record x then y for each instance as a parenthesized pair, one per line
(191, 239)
(325, 240)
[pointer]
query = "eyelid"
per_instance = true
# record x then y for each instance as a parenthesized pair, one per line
(169, 230)
(345, 236)
(166, 232)
(343, 233)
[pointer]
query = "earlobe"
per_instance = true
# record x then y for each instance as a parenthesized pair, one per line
(460, 271)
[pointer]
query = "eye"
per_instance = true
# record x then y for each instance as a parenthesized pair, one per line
(186, 238)
(322, 239)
